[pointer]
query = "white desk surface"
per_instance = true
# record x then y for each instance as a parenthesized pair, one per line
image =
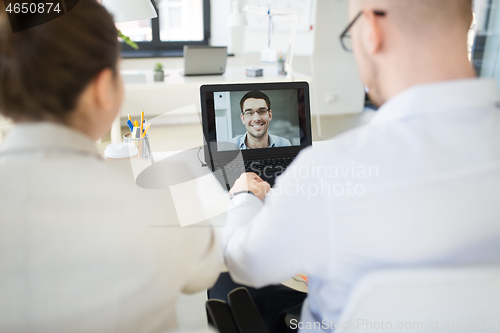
(178, 92)
(232, 75)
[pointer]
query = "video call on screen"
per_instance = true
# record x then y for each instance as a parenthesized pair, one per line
(244, 117)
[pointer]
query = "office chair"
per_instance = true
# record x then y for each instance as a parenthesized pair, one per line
(239, 316)
(455, 299)
(245, 313)
(219, 316)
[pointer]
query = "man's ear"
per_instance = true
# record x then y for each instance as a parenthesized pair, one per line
(104, 89)
(374, 37)
(242, 118)
(270, 115)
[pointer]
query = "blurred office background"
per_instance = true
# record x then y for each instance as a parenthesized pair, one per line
(337, 93)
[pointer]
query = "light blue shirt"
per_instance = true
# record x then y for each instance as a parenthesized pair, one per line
(418, 185)
(274, 141)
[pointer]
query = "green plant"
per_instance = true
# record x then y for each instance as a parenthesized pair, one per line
(127, 40)
(158, 67)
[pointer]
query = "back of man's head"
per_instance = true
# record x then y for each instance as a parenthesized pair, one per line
(415, 42)
(424, 16)
(432, 16)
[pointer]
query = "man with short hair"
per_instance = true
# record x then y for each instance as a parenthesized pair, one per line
(256, 115)
(417, 186)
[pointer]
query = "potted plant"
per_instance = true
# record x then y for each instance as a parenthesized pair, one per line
(159, 73)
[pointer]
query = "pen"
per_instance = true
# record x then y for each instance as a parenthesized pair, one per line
(145, 131)
(304, 277)
(129, 117)
(129, 123)
(136, 123)
(142, 120)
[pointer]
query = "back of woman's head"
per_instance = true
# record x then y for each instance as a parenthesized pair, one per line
(45, 69)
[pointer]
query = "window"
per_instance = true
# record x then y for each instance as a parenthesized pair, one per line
(179, 23)
(486, 49)
(138, 31)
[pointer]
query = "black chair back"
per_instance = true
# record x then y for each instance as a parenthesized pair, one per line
(220, 316)
(245, 313)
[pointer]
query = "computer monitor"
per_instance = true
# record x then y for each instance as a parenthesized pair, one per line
(237, 117)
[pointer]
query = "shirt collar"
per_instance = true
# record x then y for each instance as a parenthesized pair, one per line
(272, 143)
(242, 141)
(39, 136)
(441, 97)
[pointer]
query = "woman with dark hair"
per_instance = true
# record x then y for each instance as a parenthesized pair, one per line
(77, 253)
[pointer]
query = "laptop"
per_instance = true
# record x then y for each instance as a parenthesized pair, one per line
(258, 127)
(204, 60)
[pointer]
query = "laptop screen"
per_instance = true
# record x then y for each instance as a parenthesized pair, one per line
(257, 117)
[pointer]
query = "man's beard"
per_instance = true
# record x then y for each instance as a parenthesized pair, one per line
(372, 80)
(258, 136)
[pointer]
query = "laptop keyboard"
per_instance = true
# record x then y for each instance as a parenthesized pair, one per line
(256, 166)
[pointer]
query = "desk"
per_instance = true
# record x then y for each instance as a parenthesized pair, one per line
(201, 197)
(178, 91)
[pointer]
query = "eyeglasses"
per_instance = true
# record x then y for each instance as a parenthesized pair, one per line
(345, 37)
(261, 113)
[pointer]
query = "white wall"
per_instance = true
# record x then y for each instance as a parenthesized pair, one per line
(256, 40)
(337, 86)
(245, 40)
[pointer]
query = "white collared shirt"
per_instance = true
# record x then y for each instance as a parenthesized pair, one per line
(418, 186)
(83, 248)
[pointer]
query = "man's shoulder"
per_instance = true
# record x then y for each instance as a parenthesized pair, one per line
(280, 141)
(406, 150)
(237, 139)
(362, 146)
(346, 145)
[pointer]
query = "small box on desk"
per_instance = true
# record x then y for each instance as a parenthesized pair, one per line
(255, 72)
(133, 76)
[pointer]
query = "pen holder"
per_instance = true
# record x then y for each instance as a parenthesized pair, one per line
(142, 145)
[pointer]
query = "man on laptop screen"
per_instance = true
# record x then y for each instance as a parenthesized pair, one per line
(256, 115)
(240, 125)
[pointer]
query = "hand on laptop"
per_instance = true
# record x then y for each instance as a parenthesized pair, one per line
(253, 183)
